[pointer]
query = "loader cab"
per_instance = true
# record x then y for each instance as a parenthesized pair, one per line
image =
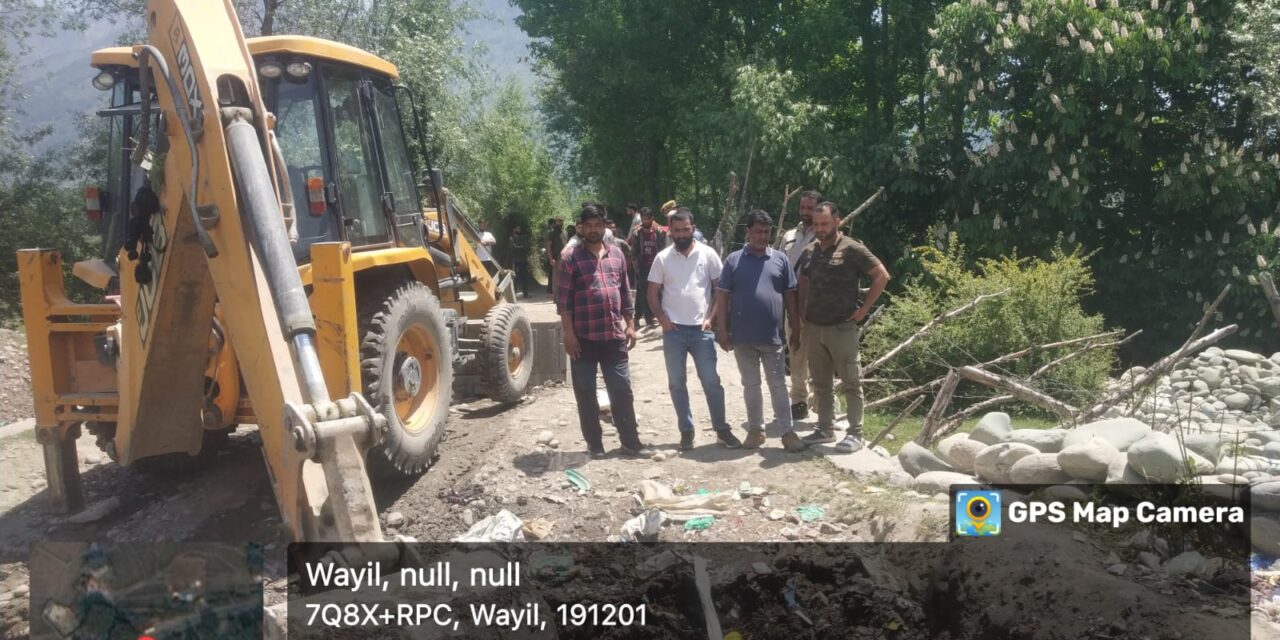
(339, 125)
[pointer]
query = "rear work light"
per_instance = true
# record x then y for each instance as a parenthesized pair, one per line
(92, 203)
(315, 196)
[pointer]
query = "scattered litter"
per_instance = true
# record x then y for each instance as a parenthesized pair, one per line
(700, 523)
(733, 635)
(654, 494)
(579, 481)
(602, 397)
(793, 605)
(655, 564)
(702, 581)
(744, 487)
(811, 512)
(538, 528)
(643, 527)
(503, 526)
(893, 625)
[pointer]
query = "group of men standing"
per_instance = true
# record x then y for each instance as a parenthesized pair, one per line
(758, 303)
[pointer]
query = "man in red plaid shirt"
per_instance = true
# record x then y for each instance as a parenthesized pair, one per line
(593, 297)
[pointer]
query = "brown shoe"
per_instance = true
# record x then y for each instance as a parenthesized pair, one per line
(755, 438)
(792, 442)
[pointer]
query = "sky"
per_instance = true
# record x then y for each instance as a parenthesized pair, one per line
(56, 74)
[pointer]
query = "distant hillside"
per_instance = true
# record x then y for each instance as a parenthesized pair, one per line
(56, 75)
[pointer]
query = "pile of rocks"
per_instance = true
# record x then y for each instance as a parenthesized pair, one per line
(1111, 451)
(1216, 390)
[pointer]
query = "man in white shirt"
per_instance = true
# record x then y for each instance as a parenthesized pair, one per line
(487, 238)
(681, 284)
(793, 244)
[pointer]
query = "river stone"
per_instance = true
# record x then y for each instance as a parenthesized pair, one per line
(1264, 535)
(1038, 468)
(1238, 401)
(1243, 464)
(1248, 374)
(1088, 461)
(943, 448)
(1265, 495)
(916, 460)
(964, 453)
(993, 428)
(1271, 450)
(1208, 445)
(1120, 432)
(1184, 563)
(1211, 376)
(992, 463)
(1045, 440)
(932, 482)
(1242, 356)
(1269, 387)
(1158, 458)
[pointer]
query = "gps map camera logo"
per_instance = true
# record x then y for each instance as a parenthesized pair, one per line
(978, 513)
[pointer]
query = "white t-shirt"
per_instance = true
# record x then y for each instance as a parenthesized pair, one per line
(687, 282)
(487, 239)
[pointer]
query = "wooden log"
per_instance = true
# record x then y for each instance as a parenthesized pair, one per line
(862, 207)
(1269, 290)
(927, 328)
(940, 403)
(906, 412)
(1019, 390)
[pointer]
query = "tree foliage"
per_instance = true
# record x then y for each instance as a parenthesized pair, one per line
(1139, 130)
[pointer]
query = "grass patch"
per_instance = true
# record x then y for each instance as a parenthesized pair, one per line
(909, 428)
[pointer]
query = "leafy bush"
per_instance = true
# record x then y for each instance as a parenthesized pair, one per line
(1042, 305)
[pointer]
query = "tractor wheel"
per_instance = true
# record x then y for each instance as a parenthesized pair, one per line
(506, 361)
(407, 372)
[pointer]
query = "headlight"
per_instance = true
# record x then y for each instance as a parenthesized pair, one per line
(299, 70)
(270, 70)
(104, 81)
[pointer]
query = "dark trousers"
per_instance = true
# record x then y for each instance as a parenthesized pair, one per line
(643, 312)
(610, 356)
(522, 276)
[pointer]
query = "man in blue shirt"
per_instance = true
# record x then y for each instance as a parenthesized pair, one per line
(756, 286)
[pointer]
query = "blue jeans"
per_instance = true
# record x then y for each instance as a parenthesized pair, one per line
(692, 340)
(610, 357)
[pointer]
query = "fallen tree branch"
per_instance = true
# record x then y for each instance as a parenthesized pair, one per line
(787, 194)
(939, 408)
(1273, 296)
(1045, 347)
(1018, 390)
(906, 412)
(862, 207)
(1151, 375)
(1053, 364)
(926, 329)
(871, 319)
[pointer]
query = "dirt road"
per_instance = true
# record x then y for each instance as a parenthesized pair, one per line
(491, 460)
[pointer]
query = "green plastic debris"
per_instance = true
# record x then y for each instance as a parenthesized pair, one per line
(579, 481)
(700, 523)
(811, 512)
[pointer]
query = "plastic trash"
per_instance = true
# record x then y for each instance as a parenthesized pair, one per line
(700, 523)
(644, 526)
(503, 526)
(654, 494)
(811, 512)
(579, 481)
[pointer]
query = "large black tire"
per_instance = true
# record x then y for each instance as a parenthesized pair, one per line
(506, 350)
(404, 336)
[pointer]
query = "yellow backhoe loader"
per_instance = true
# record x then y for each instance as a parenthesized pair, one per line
(267, 260)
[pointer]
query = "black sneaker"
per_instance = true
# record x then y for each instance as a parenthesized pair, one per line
(639, 451)
(686, 440)
(729, 440)
(820, 437)
(597, 453)
(799, 411)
